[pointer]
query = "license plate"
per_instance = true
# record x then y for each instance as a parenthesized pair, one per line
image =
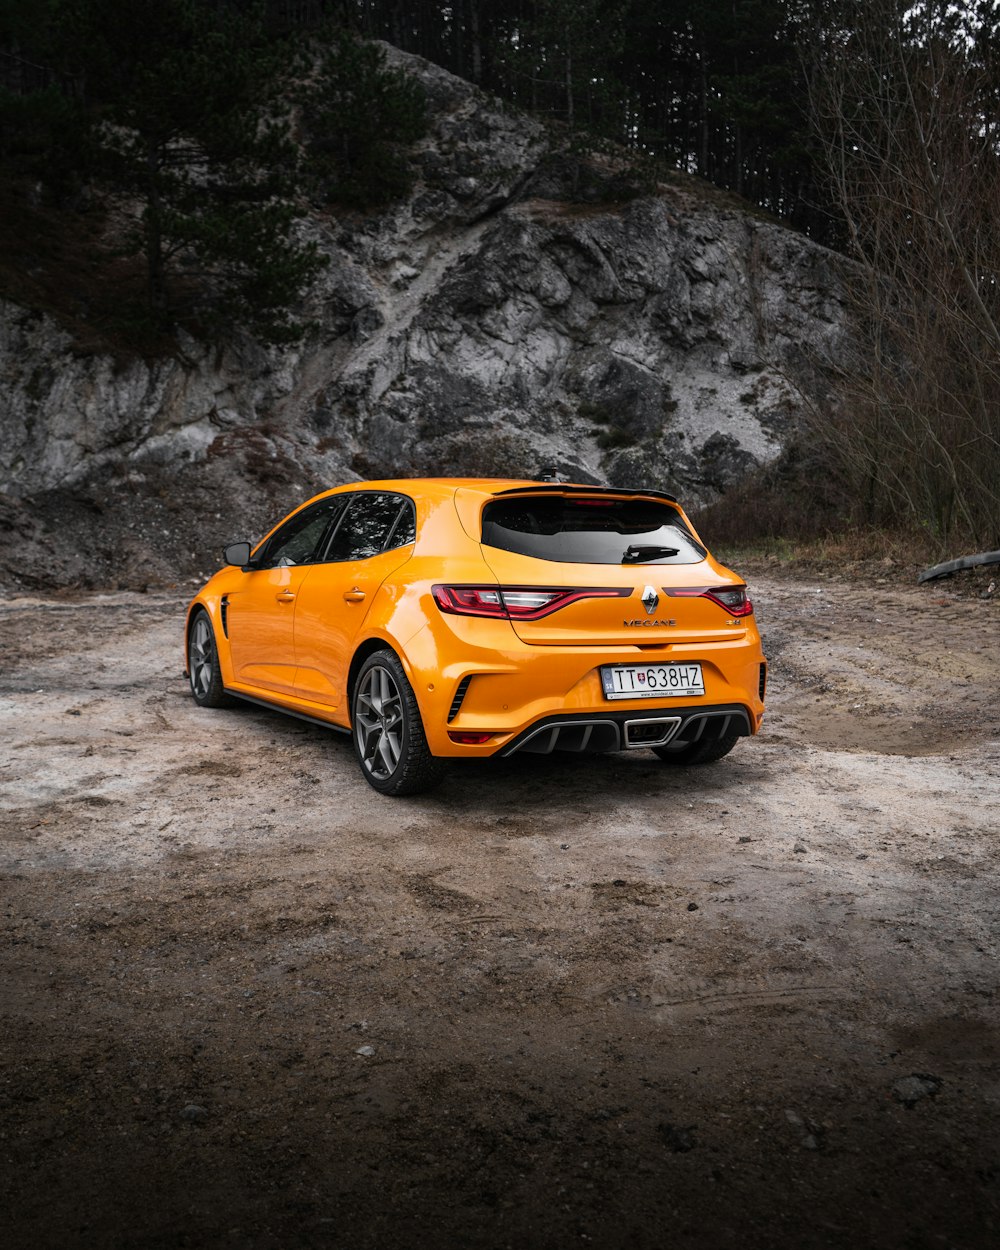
(652, 681)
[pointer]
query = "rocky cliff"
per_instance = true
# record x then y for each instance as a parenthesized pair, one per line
(525, 311)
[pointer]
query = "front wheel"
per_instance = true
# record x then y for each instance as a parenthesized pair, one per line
(203, 664)
(388, 733)
(697, 752)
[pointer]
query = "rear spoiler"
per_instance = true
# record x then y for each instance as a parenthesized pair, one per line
(557, 488)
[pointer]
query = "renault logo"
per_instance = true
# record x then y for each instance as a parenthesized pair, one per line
(650, 600)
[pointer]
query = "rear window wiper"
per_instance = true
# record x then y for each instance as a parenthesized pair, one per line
(639, 555)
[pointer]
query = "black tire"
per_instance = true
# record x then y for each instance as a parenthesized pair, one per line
(204, 673)
(697, 752)
(387, 731)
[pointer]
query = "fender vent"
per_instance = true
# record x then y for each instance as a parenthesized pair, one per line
(460, 693)
(224, 613)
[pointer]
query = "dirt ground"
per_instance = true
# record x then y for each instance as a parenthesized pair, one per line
(559, 1002)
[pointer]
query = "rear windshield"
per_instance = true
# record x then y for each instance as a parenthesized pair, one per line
(591, 531)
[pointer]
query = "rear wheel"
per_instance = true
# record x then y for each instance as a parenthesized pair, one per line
(204, 672)
(697, 752)
(388, 733)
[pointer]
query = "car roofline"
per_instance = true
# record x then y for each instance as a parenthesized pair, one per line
(447, 487)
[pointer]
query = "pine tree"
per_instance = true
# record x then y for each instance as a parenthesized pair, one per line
(358, 115)
(188, 123)
(42, 124)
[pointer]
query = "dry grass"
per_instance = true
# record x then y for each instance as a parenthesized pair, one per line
(796, 517)
(868, 553)
(866, 557)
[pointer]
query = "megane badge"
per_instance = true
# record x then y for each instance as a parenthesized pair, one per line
(650, 600)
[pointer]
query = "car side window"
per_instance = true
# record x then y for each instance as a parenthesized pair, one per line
(375, 521)
(406, 527)
(299, 539)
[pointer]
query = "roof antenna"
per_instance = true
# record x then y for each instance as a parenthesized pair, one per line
(551, 476)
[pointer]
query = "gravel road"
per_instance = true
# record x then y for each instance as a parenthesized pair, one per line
(559, 1002)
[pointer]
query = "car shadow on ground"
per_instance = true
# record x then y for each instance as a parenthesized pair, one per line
(524, 778)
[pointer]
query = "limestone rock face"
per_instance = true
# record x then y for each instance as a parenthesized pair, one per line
(525, 311)
(636, 344)
(67, 416)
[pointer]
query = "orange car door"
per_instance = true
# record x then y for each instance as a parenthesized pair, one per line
(261, 612)
(374, 538)
(261, 637)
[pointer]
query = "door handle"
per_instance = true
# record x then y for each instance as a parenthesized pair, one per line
(285, 596)
(354, 596)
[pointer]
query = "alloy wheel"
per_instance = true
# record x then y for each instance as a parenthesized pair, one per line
(379, 722)
(201, 654)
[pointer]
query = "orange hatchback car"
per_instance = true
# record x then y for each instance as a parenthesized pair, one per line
(464, 618)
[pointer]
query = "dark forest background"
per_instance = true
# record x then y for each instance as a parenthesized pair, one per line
(723, 89)
(714, 87)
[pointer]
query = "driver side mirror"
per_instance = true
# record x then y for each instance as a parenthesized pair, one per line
(237, 553)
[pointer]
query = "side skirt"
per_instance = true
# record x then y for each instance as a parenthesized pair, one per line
(287, 711)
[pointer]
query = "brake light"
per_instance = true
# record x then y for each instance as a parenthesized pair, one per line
(470, 600)
(733, 599)
(517, 603)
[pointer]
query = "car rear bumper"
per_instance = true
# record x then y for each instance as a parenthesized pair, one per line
(515, 692)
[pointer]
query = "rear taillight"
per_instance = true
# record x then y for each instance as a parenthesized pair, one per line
(517, 603)
(733, 599)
